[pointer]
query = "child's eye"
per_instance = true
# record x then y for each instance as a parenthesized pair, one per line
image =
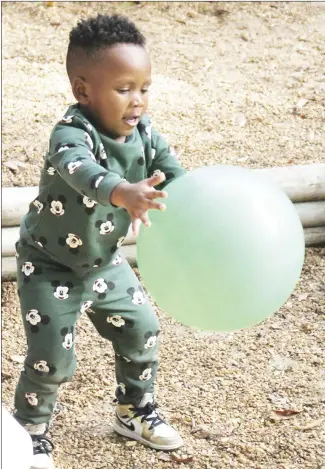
(144, 91)
(123, 91)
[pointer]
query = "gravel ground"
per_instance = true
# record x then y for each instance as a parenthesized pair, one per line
(239, 83)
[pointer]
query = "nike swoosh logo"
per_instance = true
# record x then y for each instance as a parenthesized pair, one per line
(129, 426)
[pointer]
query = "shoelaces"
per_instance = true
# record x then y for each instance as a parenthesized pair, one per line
(41, 444)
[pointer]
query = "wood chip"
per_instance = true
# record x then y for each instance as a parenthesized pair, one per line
(310, 425)
(14, 165)
(165, 457)
(17, 358)
(204, 433)
(5, 376)
(130, 444)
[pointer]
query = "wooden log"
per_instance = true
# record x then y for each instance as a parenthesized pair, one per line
(15, 203)
(312, 214)
(9, 265)
(302, 183)
(315, 236)
(9, 236)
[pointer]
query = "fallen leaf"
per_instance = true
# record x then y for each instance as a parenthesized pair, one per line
(182, 459)
(310, 425)
(286, 413)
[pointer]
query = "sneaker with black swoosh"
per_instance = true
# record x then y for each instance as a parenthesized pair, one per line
(143, 423)
(42, 446)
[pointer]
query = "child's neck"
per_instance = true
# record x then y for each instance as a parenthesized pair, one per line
(92, 118)
(120, 139)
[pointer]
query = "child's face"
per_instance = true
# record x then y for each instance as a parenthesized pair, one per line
(116, 88)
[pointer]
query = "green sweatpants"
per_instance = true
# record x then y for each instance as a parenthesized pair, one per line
(52, 297)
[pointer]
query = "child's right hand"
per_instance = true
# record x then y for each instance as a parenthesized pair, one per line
(138, 198)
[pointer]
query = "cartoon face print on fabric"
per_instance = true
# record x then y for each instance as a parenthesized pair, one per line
(106, 227)
(57, 205)
(42, 367)
(137, 295)
(35, 320)
(101, 287)
(67, 335)
(88, 204)
(120, 323)
(61, 292)
(29, 270)
(72, 241)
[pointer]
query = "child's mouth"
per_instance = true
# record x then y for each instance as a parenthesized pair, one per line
(131, 121)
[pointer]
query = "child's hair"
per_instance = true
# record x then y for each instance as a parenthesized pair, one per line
(100, 32)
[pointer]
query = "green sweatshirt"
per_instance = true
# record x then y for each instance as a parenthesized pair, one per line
(72, 219)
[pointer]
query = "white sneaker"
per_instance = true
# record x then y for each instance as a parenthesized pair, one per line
(143, 424)
(42, 447)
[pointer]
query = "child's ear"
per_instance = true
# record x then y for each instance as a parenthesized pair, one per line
(81, 90)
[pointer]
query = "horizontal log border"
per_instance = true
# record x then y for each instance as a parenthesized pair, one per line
(312, 215)
(302, 183)
(313, 237)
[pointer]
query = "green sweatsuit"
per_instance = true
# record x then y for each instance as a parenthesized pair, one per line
(69, 264)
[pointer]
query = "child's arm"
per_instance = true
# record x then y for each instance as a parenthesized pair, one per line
(164, 168)
(164, 160)
(138, 198)
(71, 155)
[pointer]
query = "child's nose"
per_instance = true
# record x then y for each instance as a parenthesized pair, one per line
(137, 99)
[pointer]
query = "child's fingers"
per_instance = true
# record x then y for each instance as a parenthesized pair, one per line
(145, 219)
(136, 222)
(156, 195)
(157, 179)
(151, 204)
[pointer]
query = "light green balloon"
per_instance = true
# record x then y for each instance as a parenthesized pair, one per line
(227, 252)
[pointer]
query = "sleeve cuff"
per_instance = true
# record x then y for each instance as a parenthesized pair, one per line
(106, 187)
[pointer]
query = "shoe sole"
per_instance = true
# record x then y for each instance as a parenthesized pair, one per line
(134, 436)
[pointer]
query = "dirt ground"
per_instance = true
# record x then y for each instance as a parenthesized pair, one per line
(236, 83)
